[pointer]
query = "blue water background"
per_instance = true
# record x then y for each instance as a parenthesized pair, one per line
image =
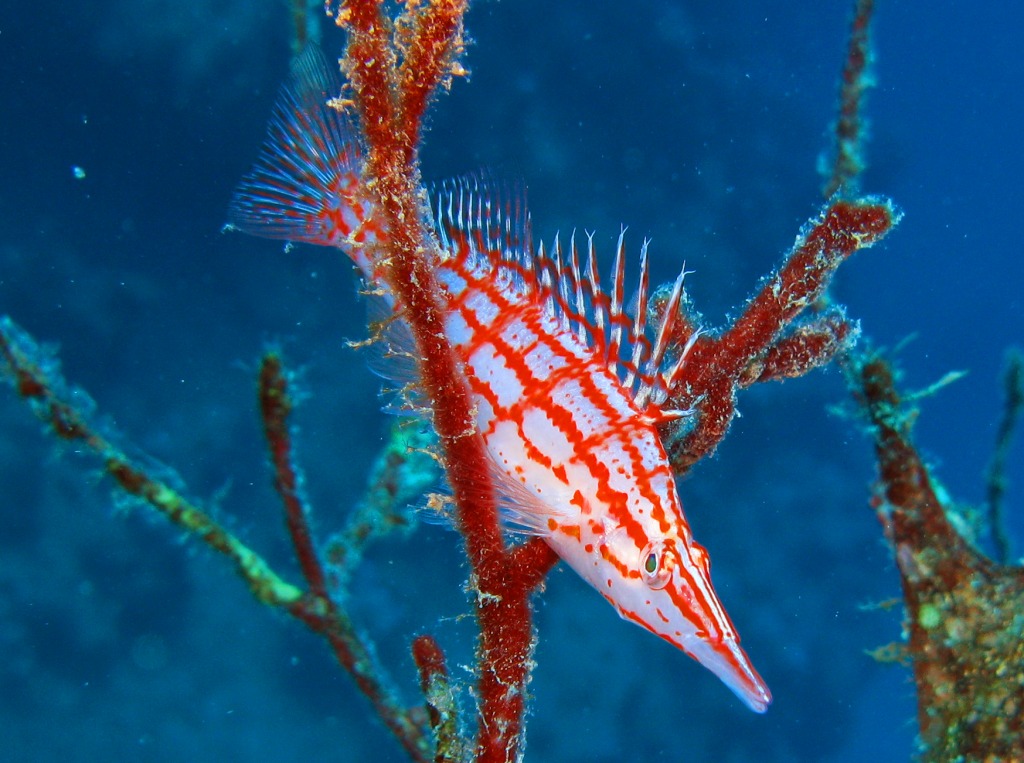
(699, 127)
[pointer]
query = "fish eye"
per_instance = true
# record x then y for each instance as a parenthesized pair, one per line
(655, 565)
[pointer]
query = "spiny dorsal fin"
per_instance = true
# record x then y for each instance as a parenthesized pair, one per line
(620, 336)
(492, 213)
(487, 222)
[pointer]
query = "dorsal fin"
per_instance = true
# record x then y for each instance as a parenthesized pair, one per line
(620, 335)
(491, 212)
(487, 222)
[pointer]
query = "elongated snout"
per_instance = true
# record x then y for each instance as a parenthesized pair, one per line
(727, 660)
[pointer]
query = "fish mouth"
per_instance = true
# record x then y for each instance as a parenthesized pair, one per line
(727, 660)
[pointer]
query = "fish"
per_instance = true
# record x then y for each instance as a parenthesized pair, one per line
(568, 385)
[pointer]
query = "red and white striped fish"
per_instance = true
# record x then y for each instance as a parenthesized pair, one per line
(567, 386)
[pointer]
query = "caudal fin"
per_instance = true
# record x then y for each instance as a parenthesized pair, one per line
(309, 164)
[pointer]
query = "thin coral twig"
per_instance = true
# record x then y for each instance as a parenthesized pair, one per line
(995, 478)
(404, 470)
(275, 407)
(436, 685)
(848, 157)
(329, 618)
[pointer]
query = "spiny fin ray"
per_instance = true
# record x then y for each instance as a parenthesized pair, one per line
(487, 222)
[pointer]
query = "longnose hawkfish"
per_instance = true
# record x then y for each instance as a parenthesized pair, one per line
(567, 386)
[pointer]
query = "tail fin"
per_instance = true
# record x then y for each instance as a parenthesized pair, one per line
(309, 164)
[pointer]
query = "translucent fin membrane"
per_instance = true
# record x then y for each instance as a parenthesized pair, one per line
(310, 156)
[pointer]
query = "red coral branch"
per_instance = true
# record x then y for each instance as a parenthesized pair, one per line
(429, 658)
(430, 53)
(807, 347)
(756, 346)
(436, 686)
(324, 615)
(393, 77)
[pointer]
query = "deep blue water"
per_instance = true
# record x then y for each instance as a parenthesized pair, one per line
(699, 128)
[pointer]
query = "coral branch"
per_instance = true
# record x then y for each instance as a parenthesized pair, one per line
(36, 379)
(842, 229)
(327, 617)
(370, 64)
(430, 53)
(403, 472)
(355, 655)
(962, 611)
(808, 346)
(755, 345)
(393, 76)
(532, 560)
(848, 158)
(437, 688)
(995, 482)
(965, 632)
(275, 406)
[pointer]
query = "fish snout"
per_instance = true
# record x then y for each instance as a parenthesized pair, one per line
(726, 659)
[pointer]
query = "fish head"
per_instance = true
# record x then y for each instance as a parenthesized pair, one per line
(669, 593)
